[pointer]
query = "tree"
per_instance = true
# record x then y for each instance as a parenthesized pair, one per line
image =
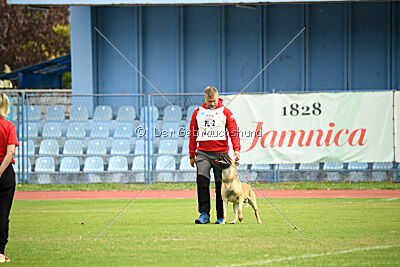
(30, 35)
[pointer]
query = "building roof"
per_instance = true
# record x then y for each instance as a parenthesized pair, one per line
(165, 2)
(55, 66)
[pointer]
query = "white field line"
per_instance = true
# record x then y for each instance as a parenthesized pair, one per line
(307, 256)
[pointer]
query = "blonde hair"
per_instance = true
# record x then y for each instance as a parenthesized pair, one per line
(4, 105)
(210, 91)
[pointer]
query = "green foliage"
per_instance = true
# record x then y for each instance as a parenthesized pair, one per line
(31, 36)
(162, 233)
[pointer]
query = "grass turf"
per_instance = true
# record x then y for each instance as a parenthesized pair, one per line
(176, 186)
(162, 232)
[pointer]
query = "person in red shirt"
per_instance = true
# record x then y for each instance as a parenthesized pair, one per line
(8, 142)
(208, 139)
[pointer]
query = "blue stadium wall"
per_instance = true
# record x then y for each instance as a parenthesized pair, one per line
(347, 46)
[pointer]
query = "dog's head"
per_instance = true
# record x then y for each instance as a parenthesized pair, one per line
(228, 166)
(226, 161)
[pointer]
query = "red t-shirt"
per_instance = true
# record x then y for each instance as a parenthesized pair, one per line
(8, 136)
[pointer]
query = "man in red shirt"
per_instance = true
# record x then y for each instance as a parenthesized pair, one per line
(207, 141)
(8, 142)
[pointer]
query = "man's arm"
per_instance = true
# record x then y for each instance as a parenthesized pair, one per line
(7, 159)
(233, 133)
(192, 137)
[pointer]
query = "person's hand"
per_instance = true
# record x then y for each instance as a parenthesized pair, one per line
(192, 161)
(237, 155)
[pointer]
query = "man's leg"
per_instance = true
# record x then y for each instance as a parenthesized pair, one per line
(203, 183)
(218, 196)
(203, 194)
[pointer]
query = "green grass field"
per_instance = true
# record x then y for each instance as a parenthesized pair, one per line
(162, 233)
(192, 186)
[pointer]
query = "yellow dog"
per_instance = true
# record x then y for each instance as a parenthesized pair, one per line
(234, 191)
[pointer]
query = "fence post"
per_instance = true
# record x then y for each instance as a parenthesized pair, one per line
(397, 172)
(27, 140)
(148, 132)
(19, 138)
(22, 162)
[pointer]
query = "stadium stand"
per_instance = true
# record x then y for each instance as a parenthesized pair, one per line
(126, 113)
(172, 113)
(103, 113)
(309, 166)
(69, 165)
(49, 147)
(99, 130)
(117, 164)
(168, 147)
(52, 130)
(123, 130)
(34, 114)
(120, 147)
(333, 166)
(55, 113)
(76, 130)
(97, 148)
(45, 165)
(93, 165)
(73, 148)
(79, 113)
(153, 115)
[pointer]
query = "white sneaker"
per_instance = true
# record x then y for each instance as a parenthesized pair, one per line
(2, 258)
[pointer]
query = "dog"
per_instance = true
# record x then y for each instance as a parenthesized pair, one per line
(234, 191)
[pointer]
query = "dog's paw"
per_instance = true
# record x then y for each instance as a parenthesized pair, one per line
(233, 222)
(259, 221)
(223, 222)
(240, 219)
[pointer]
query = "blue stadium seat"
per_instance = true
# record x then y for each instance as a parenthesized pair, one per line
(45, 165)
(357, 166)
(243, 167)
(52, 130)
(117, 164)
(73, 148)
(49, 147)
(140, 147)
(76, 130)
(69, 165)
(99, 130)
(120, 147)
(190, 111)
(185, 146)
(31, 130)
(138, 164)
(18, 165)
(103, 113)
(29, 148)
(123, 130)
(382, 166)
(93, 165)
(172, 113)
(55, 113)
(168, 147)
(34, 114)
(154, 114)
(260, 167)
(166, 163)
(79, 113)
(286, 166)
(126, 113)
(97, 147)
(170, 130)
(309, 166)
(333, 166)
(185, 165)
